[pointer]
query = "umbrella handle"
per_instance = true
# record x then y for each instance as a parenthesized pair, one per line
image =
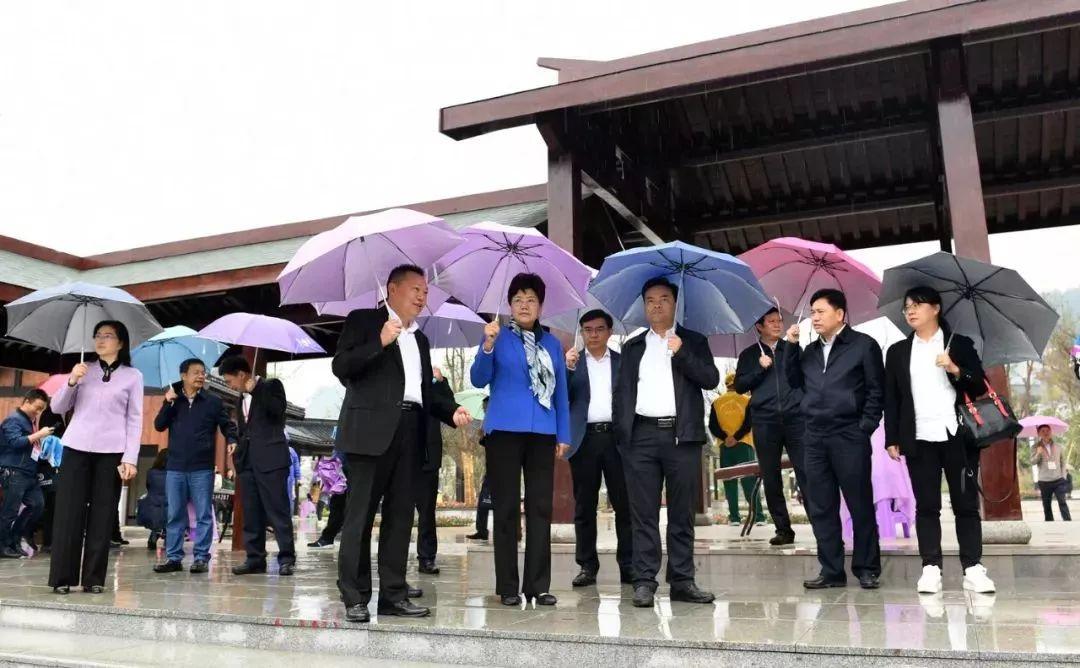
(378, 284)
(82, 339)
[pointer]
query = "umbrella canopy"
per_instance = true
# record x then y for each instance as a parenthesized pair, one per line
(567, 321)
(1032, 423)
(53, 384)
(1008, 321)
(372, 298)
(452, 326)
(478, 272)
(62, 318)
(356, 257)
(718, 293)
(159, 358)
(261, 331)
(791, 270)
(730, 345)
(473, 401)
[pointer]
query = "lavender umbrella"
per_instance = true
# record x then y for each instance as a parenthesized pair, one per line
(452, 326)
(478, 272)
(354, 258)
(1032, 423)
(372, 298)
(261, 331)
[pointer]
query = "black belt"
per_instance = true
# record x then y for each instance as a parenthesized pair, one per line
(409, 406)
(598, 427)
(659, 422)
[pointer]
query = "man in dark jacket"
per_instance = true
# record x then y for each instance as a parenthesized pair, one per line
(18, 472)
(191, 415)
(660, 428)
(769, 371)
(426, 476)
(843, 380)
(262, 463)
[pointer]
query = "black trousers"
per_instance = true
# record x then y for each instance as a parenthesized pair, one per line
(84, 517)
(118, 491)
(483, 507)
(598, 457)
(508, 455)
(836, 462)
(386, 477)
(426, 484)
(265, 496)
(925, 467)
(653, 461)
(1049, 490)
(336, 519)
(770, 441)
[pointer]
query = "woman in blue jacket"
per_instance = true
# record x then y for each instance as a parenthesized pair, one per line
(527, 425)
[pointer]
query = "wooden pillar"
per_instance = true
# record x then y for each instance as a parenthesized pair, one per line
(565, 229)
(258, 363)
(967, 217)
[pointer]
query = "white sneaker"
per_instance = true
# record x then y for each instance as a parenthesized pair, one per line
(975, 580)
(930, 582)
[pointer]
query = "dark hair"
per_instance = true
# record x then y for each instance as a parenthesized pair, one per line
(1043, 426)
(124, 356)
(523, 282)
(186, 364)
(766, 314)
(398, 273)
(660, 281)
(834, 297)
(595, 314)
(232, 365)
(161, 459)
(36, 394)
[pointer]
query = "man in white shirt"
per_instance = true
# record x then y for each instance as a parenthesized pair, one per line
(660, 429)
(594, 454)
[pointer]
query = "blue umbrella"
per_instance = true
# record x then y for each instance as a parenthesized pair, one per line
(159, 357)
(718, 293)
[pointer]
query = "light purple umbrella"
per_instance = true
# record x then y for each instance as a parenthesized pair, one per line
(356, 257)
(792, 269)
(478, 272)
(1032, 423)
(452, 326)
(372, 298)
(261, 331)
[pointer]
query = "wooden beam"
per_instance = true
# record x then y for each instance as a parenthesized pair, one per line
(727, 223)
(214, 282)
(611, 199)
(564, 225)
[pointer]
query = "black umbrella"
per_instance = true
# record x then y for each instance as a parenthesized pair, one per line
(1006, 318)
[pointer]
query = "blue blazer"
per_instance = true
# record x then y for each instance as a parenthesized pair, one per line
(512, 406)
(581, 395)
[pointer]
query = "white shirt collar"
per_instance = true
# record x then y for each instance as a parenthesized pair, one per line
(833, 339)
(393, 314)
(652, 333)
(938, 337)
(606, 355)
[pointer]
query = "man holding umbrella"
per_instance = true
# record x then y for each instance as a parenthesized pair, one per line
(659, 418)
(384, 362)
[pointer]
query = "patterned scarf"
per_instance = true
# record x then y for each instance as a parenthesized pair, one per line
(541, 370)
(107, 369)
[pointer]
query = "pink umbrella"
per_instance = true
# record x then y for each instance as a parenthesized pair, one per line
(53, 384)
(1032, 423)
(792, 269)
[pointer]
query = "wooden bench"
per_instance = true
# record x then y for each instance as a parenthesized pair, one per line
(740, 471)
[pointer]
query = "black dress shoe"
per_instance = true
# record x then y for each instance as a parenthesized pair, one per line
(428, 568)
(584, 579)
(404, 608)
(783, 539)
(169, 567)
(285, 570)
(93, 589)
(63, 591)
(869, 581)
(413, 592)
(477, 536)
(8, 553)
(510, 599)
(544, 599)
(643, 596)
(319, 544)
(200, 567)
(690, 593)
(357, 613)
(247, 569)
(822, 582)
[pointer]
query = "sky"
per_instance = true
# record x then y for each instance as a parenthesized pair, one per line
(135, 122)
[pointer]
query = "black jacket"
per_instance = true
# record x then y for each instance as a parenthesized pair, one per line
(433, 451)
(849, 391)
(374, 380)
(262, 445)
(693, 370)
(191, 428)
(764, 384)
(899, 401)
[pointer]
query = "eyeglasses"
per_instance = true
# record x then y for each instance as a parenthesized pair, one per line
(524, 301)
(105, 337)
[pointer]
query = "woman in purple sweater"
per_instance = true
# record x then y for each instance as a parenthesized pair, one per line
(101, 442)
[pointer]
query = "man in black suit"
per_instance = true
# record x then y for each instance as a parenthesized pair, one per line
(428, 461)
(769, 371)
(843, 380)
(262, 461)
(660, 428)
(384, 362)
(594, 453)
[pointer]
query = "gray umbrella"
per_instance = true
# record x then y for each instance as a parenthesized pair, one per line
(1006, 318)
(62, 318)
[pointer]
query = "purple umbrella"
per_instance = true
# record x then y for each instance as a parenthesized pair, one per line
(452, 326)
(372, 298)
(1032, 423)
(355, 257)
(478, 272)
(792, 269)
(261, 331)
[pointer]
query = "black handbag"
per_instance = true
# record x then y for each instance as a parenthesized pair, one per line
(989, 419)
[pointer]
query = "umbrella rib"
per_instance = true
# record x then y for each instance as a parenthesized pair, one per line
(1013, 322)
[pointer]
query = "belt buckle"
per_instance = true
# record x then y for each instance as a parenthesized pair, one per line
(666, 422)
